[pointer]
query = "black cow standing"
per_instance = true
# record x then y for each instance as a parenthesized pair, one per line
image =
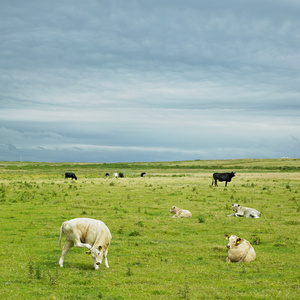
(70, 175)
(121, 175)
(222, 177)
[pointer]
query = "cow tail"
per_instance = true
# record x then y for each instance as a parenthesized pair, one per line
(61, 233)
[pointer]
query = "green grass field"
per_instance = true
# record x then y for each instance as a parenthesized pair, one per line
(152, 255)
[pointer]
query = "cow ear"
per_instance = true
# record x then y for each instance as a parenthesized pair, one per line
(226, 236)
(88, 252)
(238, 241)
(238, 205)
(99, 248)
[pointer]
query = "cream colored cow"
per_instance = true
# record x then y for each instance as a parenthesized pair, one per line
(180, 213)
(242, 211)
(86, 233)
(239, 250)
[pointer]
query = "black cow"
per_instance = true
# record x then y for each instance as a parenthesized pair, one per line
(107, 175)
(70, 175)
(121, 175)
(222, 177)
(143, 174)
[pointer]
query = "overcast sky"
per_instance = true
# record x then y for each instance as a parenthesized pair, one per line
(157, 80)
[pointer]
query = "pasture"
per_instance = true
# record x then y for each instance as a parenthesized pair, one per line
(152, 255)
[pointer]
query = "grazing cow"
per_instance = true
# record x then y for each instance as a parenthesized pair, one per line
(121, 175)
(247, 212)
(70, 175)
(107, 175)
(239, 250)
(86, 233)
(180, 213)
(115, 175)
(143, 174)
(222, 177)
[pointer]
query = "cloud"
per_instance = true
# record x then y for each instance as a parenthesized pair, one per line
(149, 80)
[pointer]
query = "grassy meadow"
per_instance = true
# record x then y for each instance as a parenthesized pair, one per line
(152, 255)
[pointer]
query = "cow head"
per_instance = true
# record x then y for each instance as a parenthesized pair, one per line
(235, 207)
(174, 209)
(233, 240)
(97, 254)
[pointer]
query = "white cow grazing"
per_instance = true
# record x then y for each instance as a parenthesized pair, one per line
(241, 211)
(115, 175)
(180, 213)
(86, 233)
(239, 250)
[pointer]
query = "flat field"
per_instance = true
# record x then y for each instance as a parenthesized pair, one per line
(152, 255)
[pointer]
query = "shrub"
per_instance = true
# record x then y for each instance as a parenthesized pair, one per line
(255, 239)
(134, 233)
(201, 219)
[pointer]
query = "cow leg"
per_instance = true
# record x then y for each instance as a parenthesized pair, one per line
(105, 259)
(66, 248)
(239, 215)
(78, 244)
(226, 183)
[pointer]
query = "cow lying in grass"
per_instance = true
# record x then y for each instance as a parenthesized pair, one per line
(247, 212)
(239, 250)
(86, 233)
(180, 213)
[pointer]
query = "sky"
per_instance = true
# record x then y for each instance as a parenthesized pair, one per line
(140, 81)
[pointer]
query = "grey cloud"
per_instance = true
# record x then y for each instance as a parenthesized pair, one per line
(107, 79)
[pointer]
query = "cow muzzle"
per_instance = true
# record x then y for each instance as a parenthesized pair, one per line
(228, 246)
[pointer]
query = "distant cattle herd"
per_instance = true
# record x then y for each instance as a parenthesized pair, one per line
(95, 235)
(115, 175)
(216, 176)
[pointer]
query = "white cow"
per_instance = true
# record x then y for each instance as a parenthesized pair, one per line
(115, 175)
(241, 211)
(86, 233)
(180, 213)
(239, 250)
